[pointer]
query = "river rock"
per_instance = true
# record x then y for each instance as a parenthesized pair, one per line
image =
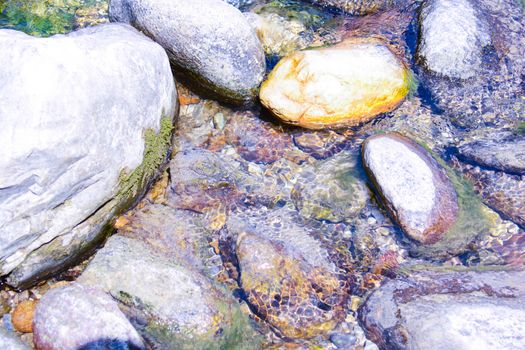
(462, 310)
(86, 121)
(453, 34)
(209, 41)
(413, 186)
(507, 154)
(174, 305)
(503, 192)
(82, 317)
(287, 275)
(343, 85)
(357, 7)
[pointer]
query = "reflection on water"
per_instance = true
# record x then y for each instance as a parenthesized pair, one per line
(48, 17)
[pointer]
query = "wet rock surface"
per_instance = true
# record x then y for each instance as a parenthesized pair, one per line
(82, 317)
(414, 187)
(462, 310)
(209, 41)
(80, 156)
(501, 191)
(318, 88)
(453, 35)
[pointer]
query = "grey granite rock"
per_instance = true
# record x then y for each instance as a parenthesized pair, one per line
(86, 120)
(209, 41)
(507, 154)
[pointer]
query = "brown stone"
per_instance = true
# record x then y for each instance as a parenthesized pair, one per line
(22, 316)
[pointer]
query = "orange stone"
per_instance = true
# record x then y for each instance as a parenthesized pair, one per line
(22, 316)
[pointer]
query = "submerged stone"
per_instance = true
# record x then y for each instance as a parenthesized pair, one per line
(287, 274)
(413, 186)
(505, 193)
(332, 190)
(256, 141)
(299, 300)
(343, 85)
(9, 340)
(357, 7)
(75, 150)
(462, 310)
(453, 35)
(82, 317)
(209, 41)
(174, 304)
(507, 154)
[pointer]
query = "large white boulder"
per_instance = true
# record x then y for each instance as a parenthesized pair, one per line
(85, 120)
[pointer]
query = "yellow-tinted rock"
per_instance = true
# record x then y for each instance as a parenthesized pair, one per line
(343, 85)
(22, 316)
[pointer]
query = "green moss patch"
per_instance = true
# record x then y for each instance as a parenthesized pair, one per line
(237, 334)
(470, 224)
(157, 145)
(42, 17)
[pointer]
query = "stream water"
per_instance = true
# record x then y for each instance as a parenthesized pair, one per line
(240, 166)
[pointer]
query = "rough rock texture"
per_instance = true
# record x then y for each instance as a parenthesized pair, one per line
(413, 186)
(82, 317)
(506, 154)
(175, 305)
(357, 7)
(10, 341)
(209, 41)
(452, 36)
(86, 121)
(346, 84)
(462, 310)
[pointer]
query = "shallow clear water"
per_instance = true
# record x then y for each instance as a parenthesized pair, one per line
(254, 168)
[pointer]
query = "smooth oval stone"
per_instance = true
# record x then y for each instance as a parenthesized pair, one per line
(343, 85)
(82, 317)
(412, 185)
(453, 34)
(209, 41)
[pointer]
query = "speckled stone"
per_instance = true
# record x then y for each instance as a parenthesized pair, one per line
(453, 34)
(209, 41)
(412, 185)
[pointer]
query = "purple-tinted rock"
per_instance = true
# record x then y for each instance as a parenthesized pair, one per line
(82, 317)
